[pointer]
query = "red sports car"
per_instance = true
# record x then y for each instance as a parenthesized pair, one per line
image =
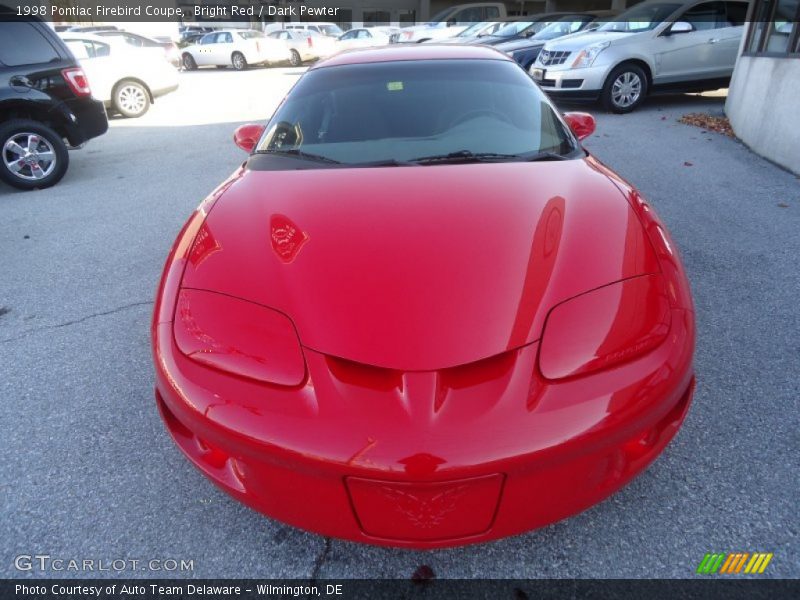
(421, 314)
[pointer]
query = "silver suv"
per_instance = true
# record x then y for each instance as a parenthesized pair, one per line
(655, 46)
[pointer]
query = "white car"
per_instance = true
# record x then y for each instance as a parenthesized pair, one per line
(124, 78)
(237, 47)
(305, 45)
(365, 37)
(452, 21)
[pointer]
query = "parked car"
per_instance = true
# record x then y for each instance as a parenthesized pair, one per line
(237, 47)
(125, 78)
(526, 49)
(451, 21)
(523, 28)
(473, 33)
(365, 37)
(190, 34)
(91, 28)
(304, 45)
(169, 48)
(653, 47)
(307, 344)
(45, 104)
(328, 29)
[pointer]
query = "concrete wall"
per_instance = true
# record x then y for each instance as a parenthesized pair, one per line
(762, 106)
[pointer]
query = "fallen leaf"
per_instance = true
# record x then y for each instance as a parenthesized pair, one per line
(708, 123)
(686, 163)
(783, 205)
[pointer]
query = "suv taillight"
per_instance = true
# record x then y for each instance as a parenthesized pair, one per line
(310, 42)
(77, 81)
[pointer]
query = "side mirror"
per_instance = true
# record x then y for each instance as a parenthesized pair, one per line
(581, 123)
(680, 27)
(247, 136)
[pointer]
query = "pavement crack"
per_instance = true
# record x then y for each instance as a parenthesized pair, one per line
(103, 313)
(321, 559)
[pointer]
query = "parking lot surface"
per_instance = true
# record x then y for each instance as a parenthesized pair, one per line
(88, 470)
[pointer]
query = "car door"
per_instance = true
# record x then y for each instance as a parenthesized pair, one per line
(729, 36)
(204, 53)
(223, 48)
(693, 55)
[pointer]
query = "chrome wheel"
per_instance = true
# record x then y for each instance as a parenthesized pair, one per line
(131, 98)
(239, 62)
(626, 89)
(29, 156)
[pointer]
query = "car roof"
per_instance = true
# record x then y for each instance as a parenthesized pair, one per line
(412, 52)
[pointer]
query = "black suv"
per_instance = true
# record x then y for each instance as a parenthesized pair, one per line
(44, 100)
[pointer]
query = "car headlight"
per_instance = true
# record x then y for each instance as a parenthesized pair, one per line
(605, 327)
(238, 337)
(586, 56)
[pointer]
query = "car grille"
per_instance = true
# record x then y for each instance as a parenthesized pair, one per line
(553, 57)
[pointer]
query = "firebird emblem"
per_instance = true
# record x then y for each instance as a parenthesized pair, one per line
(425, 512)
(286, 237)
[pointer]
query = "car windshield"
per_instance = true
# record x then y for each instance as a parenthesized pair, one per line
(513, 28)
(473, 29)
(249, 35)
(640, 18)
(559, 28)
(331, 29)
(407, 111)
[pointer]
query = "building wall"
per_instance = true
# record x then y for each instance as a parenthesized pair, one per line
(763, 105)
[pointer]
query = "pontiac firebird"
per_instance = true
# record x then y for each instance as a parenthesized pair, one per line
(421, 314)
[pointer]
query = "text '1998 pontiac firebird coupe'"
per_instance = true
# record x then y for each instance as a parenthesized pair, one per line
(421, 314)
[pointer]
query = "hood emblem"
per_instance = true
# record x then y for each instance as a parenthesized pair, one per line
(286, 237)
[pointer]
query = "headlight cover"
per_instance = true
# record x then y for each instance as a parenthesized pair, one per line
(586, 56)
(238, 337)
(605, 327)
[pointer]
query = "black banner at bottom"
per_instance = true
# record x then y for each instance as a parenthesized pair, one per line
(544, 589)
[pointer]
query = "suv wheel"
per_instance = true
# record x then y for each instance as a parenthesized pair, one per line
(33, 155)
(131, 99)
(295, 60)
(625, 88)
(239, 61)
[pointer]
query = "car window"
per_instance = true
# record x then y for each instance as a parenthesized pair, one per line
(22, 44)
(469, 15)
(736, 13)
(364, 34)
(403, 110)
(78, 48)
(513, 28)
(350, 35)
(251, 35)
(88, 48)
(643, 17)
(225, 38)
(492, 12)
(209, 38)
(705, 16)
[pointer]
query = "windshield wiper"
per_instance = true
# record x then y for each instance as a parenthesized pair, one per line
(466, 156)
(296, 153)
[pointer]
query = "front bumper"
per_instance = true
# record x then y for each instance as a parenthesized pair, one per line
(426, 459)
(562, 81)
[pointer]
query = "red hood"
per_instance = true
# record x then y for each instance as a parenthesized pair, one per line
(419, 268)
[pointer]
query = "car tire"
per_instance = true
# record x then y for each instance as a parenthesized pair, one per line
(625, 88)
(131, 99)
(238, 61)
(19, 132)
(295, 59)
(189, 63)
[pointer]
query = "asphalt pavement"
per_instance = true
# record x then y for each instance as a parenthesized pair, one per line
(88, 471)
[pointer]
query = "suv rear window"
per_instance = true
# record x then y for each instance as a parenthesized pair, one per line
(22, 44)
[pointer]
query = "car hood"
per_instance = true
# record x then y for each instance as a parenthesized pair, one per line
(419, 268)
(523, 44)
(579, 41)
